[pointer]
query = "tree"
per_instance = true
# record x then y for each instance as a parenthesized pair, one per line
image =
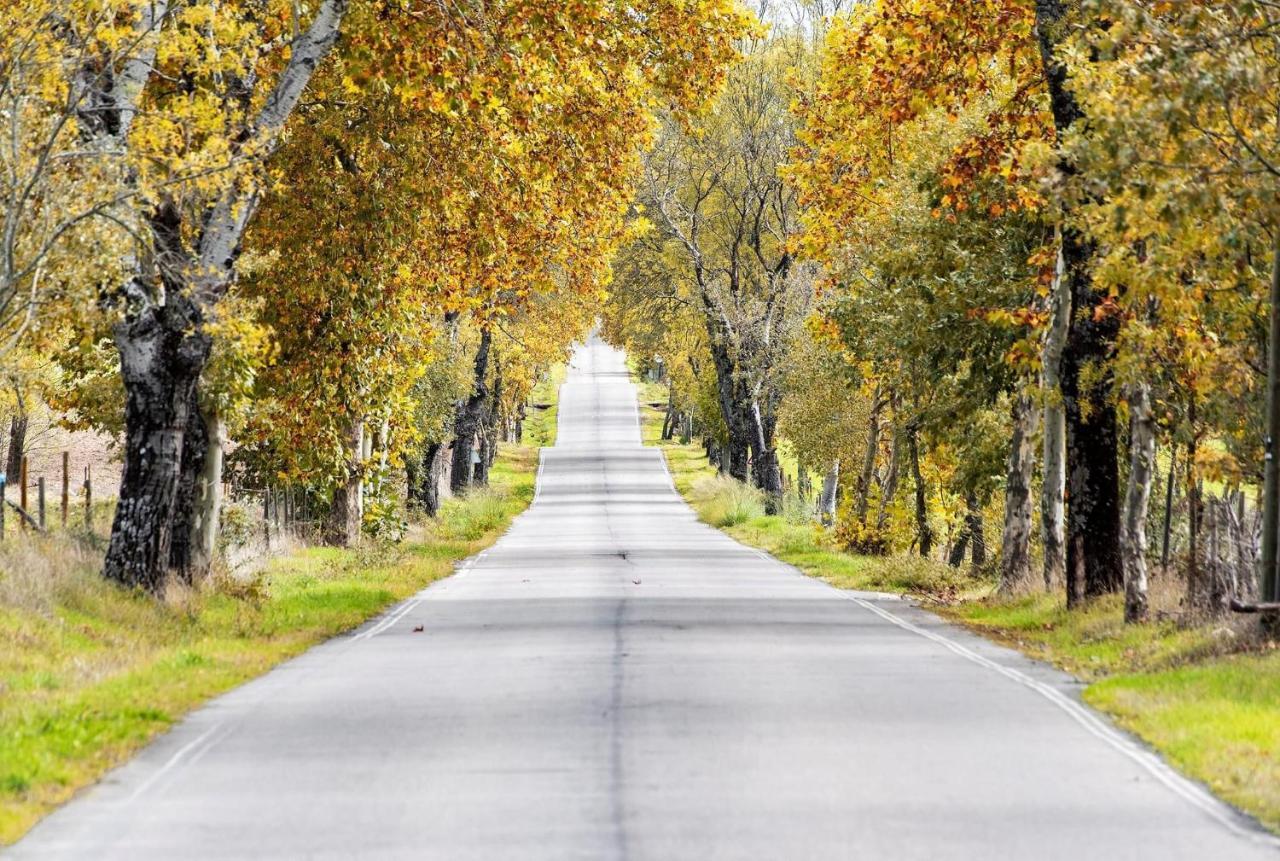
(723, 217)
(192, 151)
(1180, 156)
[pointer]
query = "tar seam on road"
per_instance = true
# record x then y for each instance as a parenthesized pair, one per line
(616, 782)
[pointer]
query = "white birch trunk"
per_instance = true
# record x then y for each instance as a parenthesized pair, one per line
(1133, 545)
(1052, 507)
(827, 502)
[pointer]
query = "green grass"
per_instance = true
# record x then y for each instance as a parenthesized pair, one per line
(1206, 696)
(791, 536)
(1218, 721)
(89, 673)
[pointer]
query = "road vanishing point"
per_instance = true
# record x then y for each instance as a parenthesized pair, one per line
(616, 680)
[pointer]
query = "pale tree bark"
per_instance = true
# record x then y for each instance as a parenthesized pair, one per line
(208, 509)
(1142, 457)
(1015, 539)
(1054, 467)
(830, 486)
(199, 495)
(162, 345)
(869, 458)
(889, 487)
(343, 529)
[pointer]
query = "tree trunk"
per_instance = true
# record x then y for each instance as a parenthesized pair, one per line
(424, 479)
(17, 441)
(977, 532)
(162, 354)
(1171, 482)
(830, 490)
(1015, 539)
(208, 502)
(766, 470)
(1053, 488)
(956, 557)
(889, 488)
(1269, 573)
(162, 348)
(195, 446)
(923, 529)
(869, 459)
(344, 512)
(735, 406)
(1093, 482)
(1142, 457)
(467, 422)
(1197, 594)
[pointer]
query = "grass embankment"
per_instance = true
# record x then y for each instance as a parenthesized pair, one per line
(1206, 696)
(89, 673)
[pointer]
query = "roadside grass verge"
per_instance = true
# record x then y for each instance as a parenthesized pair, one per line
(539, 429)
(90, 673)
(791, 536)
(1206, 696)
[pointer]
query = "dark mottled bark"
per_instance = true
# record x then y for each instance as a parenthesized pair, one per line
(923, 529)
(424, 479)
(195, 444)
(869, 455)
(467, 422)
(17, 442)
(1094, 564)
(162, 355)
(735, 407)
(766, 471)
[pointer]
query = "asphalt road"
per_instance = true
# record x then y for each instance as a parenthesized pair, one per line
(614, 680)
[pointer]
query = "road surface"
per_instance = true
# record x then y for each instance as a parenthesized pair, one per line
(614, 680)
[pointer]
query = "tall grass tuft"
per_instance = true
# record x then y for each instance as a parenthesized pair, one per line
(479, 512)
(723, 501)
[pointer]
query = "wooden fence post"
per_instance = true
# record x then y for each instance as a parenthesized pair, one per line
(88, 498)
(3, 479)
(66, 486)
(40, 502)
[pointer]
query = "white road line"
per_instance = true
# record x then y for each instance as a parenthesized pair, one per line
(173, 761)
(389, 620)
(1151, 762)
(1165, 774)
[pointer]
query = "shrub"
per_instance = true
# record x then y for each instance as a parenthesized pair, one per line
(864, 539)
